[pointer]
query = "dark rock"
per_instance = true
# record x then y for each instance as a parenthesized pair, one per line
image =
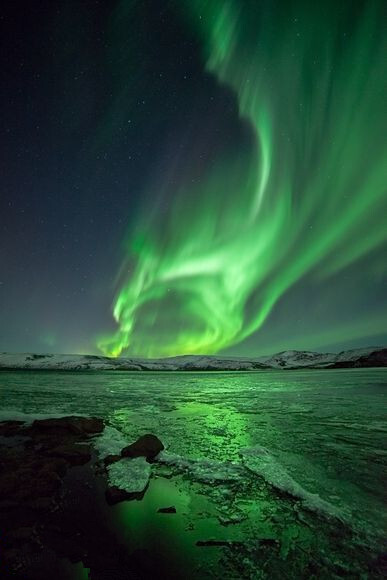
(41, 504)
(8, 504)
(115, 495)
(167, 510)
(74, 425)
(9, 485)
(45, 484)
(10, 428)
(26, 484)
(73, 453)
(109, 459)
(222, 543)
(21, 535)
(55, 464)
(146, 446)
(10, 557)
(35, 469)
(40, 478)
(50, 514)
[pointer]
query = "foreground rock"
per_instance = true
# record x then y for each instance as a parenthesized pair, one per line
(129, 472)
(53, 509)
(146, 446)
(54, 514)
(33, 466)
(79, 426)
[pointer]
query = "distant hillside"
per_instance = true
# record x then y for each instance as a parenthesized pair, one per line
(286, 360)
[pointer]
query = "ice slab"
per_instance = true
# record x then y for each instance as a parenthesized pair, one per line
(130, 475)
(203, 470)
(260, 461)
(110, 442)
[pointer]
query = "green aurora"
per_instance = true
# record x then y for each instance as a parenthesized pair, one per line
(307, 197)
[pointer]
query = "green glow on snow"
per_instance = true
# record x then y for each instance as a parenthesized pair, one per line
(308, 198)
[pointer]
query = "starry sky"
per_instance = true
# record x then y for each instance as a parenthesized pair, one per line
(192, 177)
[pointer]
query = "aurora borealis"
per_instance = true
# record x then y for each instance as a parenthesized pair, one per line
(212, 173)
(307, 198)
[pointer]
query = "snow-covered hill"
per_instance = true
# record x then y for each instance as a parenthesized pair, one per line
(359, 357)
(290, 359)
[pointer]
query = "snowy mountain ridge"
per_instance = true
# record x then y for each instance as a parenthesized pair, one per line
(290, 359)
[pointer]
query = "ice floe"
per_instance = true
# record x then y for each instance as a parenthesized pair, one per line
(130, 475)
(110, 442)
(203, 470)
(260, 461)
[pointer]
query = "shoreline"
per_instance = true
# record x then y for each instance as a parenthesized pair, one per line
(61, 513)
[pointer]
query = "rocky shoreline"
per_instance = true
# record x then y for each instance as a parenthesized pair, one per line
(54, 502)
(58, 495)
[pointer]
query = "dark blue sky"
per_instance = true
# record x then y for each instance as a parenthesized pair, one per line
(96, 99)
(86, 102)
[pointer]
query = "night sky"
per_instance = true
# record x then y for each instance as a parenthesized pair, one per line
(192, 177)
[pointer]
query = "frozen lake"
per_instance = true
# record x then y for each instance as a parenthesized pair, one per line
(326, 429)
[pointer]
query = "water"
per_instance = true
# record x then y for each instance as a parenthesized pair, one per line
(326, 430)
